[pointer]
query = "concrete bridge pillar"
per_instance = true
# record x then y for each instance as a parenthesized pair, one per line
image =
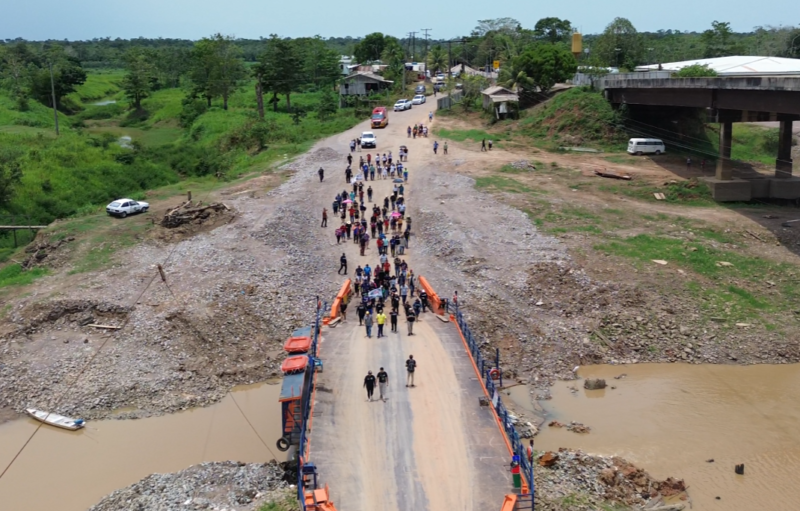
(724, 169)
(783, 165)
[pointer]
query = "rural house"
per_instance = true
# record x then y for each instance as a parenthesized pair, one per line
(362, 83)
(497, 98)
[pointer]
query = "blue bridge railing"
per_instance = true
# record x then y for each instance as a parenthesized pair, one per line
(493, 388)
(302, 449)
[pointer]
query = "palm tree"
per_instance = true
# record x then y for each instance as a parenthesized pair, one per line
(437, 59)
(515, 78)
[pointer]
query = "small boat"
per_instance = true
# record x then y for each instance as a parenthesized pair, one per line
(56, 420)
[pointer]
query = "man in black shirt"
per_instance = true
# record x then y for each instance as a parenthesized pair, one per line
(361, 310)
(383, 382)
(369, 383)
(411, 365)
(343, 264)
(393, 319)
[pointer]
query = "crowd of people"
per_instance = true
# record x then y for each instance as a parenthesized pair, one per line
(387, 290)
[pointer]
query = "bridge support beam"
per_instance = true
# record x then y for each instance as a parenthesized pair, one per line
(783, 165)
(724, 168)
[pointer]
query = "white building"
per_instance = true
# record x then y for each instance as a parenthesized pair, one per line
(736, 66)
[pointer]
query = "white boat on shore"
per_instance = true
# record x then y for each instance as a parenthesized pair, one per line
(56, 420)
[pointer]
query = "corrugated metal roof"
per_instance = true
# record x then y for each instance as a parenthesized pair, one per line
(736, 65)
(504, 98)
(367, 74)
(496, 89)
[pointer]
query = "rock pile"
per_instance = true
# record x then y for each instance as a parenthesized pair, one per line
(209, 486)
(609, 479)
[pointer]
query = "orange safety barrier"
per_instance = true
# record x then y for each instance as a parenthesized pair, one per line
(509, 503)
(433, 298)
(343, 294)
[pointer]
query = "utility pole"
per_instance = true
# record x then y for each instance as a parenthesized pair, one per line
(449, 58)
(426, 30)
(53, 92)
(413, 44)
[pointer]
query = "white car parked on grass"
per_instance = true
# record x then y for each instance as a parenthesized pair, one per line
(418, 99)
(402, 104)
(125, 207)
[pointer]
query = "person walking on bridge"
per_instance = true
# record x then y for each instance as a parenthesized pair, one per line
(324, 217)
(383, 383)
(369, 383)
(321, 173)
(411, 366)
(368, 324)
(342, 264)
(381, 320)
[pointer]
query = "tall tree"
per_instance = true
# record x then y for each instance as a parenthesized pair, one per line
(277, 69)
(202, 68)
(553, 30)
(547, 65)
(718, 40)
(229, 70)
(67, 74)
(320, 63)
(619, 45)
(395, 58)
(14, 72)
(140, 75)
(370, 48)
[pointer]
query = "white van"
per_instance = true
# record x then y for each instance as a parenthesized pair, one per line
(646, 146)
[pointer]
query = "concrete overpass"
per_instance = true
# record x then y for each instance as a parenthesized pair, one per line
(727, 100)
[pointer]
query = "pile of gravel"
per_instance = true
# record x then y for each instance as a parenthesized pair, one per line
(213, 486)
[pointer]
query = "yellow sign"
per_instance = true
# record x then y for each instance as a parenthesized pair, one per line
(496, 64)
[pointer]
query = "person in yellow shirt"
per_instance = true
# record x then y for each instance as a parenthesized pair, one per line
(381, 320)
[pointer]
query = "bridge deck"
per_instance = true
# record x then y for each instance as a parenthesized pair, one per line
(431, 447)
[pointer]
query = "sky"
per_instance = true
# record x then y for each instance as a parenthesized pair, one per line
(193, 19)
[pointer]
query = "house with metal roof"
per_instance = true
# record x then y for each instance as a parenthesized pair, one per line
(497, 98)
(362, 83)
(736, 66)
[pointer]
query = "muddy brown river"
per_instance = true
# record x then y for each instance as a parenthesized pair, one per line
(70, 471)
(671, 418)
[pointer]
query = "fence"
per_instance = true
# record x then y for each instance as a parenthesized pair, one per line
(303, 449)
(449, 100)
(497, 403)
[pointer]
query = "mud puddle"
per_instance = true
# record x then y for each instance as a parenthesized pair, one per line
(71, 471)
(670, 419)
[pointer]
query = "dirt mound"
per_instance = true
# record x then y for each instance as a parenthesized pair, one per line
(59, 313)
(190, 219)
(45, 252)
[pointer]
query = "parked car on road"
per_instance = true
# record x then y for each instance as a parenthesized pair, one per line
(418, 99)
(368, 139)
(420, 89)
(125, 207)
(402, 104)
